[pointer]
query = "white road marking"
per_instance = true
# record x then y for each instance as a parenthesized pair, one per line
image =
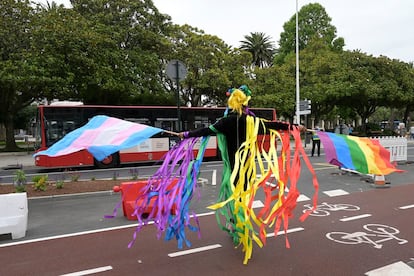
(87, 232)
(214, 178)
(195, 250)
(302, 198)
(257, 204)
(355, 217)
(337, 192)
(398, 268)
(72, 234)
(297, 229)
(270, 184)
(406, 207)
(205, 214)
(89, 271)
(202, 181)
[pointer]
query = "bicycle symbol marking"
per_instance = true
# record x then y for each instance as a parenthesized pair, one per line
(324, 209)
(375, 235)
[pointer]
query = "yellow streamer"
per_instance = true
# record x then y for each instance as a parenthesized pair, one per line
(248, 175)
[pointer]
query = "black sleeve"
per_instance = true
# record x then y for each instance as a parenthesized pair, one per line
(277, 125)
(200, 132)
(224, 125)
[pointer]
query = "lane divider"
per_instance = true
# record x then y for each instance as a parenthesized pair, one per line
(406, 207)
(356, 217)
(194, 250)
(282, 232)
(89, 271)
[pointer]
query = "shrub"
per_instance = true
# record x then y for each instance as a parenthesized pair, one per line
(59, 184)
(40, 182)
(74, 177)
(19, 181)
(115, 176)
(134, 174)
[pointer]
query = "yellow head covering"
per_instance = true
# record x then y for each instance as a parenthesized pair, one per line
(239, 99)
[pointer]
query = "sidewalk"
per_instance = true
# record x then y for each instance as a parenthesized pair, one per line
(13, 160)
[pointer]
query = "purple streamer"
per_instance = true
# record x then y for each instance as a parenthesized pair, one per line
(170, 212)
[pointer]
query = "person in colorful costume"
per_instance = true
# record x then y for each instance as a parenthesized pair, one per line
(248, 167)
(242, 151)
(231, 129)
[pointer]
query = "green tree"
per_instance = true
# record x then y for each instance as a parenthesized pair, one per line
(319, 73)
(313, 23)
(367, 84)
(21, 80)
(275, 87)
(403, 75)
(260, 46)
(128, 52)
(60, 42)
(212, 66)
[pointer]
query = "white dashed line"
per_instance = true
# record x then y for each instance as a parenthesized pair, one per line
(71, 235)
(195, 250)
(356, 217)
(257, 204)
(302, 198)
(287, 232)
(338, 192)
(89, 271)
(406, 207)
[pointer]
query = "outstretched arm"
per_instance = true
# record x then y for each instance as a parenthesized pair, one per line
(283, 126)
(196, 133)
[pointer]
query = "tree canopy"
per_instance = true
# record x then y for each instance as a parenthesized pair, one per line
(260, 46)
(116, 52)
(313, 23)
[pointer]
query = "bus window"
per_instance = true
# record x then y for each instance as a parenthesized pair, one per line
(201, 122)
(37, 133)
(167, 123)
(53, 130)
(143, 121)
(68, 126)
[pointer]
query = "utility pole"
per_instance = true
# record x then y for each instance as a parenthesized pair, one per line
(297, 68)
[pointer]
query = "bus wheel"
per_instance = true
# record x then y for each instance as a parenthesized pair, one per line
(110, 161)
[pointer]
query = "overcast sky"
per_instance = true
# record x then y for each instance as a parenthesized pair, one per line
(376, 27)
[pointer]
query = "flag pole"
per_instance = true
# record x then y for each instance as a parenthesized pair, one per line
(171, 132)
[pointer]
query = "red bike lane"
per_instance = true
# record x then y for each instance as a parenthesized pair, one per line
(343, 242)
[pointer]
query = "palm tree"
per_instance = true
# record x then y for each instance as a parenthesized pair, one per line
(51, 6)
(261, 48)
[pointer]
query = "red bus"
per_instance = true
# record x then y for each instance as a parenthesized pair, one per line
(54, 121)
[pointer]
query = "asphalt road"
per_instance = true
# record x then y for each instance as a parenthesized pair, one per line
(376, 235)
(69, 234)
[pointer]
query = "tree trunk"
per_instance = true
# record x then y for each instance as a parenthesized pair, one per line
(10, 141)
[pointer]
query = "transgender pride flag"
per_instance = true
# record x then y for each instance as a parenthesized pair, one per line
(102, 136)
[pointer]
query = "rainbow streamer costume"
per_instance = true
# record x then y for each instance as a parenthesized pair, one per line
(248, 167)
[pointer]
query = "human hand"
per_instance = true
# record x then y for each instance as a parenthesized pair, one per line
(302, 128)
(183, 135)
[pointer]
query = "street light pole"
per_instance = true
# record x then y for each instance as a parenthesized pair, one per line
(177, 81)
(297, 68)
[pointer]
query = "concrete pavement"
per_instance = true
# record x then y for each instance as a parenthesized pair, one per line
(13, 160)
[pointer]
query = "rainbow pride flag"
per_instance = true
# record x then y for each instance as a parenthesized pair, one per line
(360, 154)
(102, 136)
